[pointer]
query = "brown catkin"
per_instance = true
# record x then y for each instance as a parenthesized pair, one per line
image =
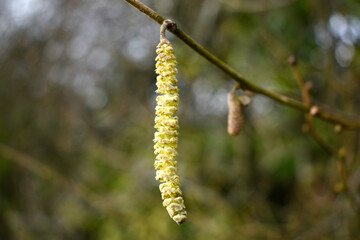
(235, 117)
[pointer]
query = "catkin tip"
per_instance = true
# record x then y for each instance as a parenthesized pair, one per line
(180, 220)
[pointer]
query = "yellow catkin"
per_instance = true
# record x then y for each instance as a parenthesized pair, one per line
(166, 136)
(235, 117)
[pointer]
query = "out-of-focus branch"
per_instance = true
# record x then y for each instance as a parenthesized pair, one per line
(343, 175)
(46, 172)
(355, 163)
(341, 167)
(304, 89)
(305, 94)
(328, 115)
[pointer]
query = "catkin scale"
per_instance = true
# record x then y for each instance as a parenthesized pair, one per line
(165, 137)
(235, 116)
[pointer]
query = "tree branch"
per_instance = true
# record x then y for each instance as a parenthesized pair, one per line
(44, 171)
(309, 127)
(323, 113)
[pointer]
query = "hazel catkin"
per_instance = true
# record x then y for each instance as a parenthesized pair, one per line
(235, 116)
(166, 136)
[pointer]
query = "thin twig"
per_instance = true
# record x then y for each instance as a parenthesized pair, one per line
(305, 94)
(330, 116)
(343, 175)
(304, 90)
(341, 166)
(354, 163)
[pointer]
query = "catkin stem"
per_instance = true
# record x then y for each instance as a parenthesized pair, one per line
(167, 24)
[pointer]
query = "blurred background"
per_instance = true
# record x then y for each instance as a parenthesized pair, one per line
(77, 98)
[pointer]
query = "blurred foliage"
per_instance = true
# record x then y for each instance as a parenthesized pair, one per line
(77, 98)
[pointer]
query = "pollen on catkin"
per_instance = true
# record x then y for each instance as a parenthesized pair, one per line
(166, 136)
